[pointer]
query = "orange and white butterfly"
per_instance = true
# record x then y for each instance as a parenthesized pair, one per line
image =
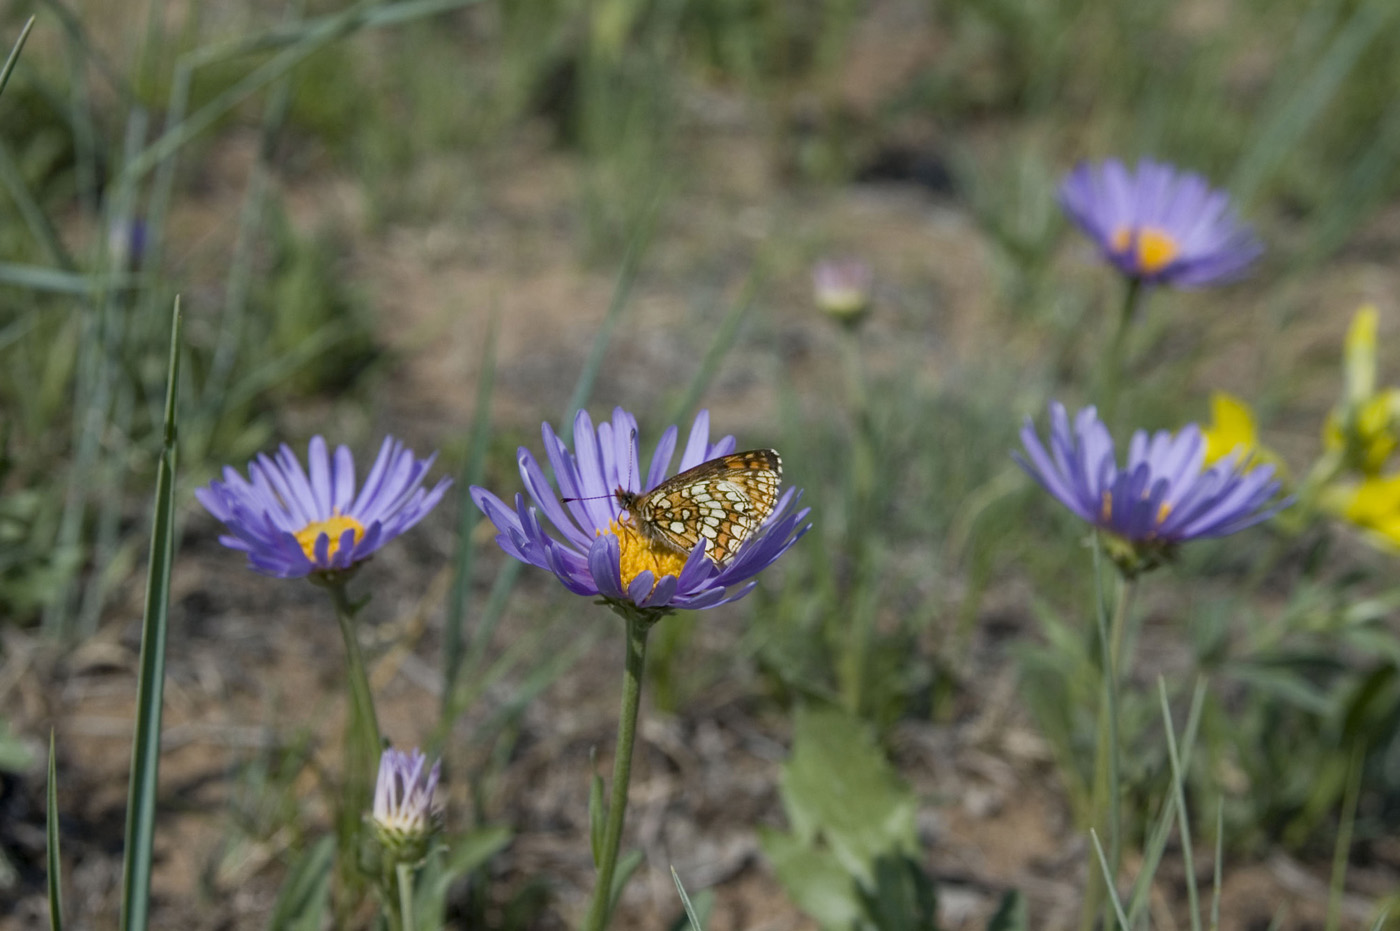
(722, 501)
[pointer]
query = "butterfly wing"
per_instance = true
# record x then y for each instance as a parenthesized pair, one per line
(722, 501)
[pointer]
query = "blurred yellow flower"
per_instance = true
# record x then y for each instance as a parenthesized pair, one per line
(1372, 435)
(1232, 429)
(1360, 359)
(1361, 430)
(1373, 505)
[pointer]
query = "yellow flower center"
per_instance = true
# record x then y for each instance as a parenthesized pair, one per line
(333, 527)
(1162, 511)
(1152, 249)
(639, 554)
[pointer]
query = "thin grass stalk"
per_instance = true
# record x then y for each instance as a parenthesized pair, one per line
(1157, 843)
(1308, 98)
(1188, 855)
(8, 68)
(109, 407)
(73, 26)
(622, 291)
(1216, 883)
(1341, 854)
(455, 637)
(720, 344)
(301, 43)
(1107, 790)
(145, 753)
(1108, 874)
(55, 862)
(638, 626)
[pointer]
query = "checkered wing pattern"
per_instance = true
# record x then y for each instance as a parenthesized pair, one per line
(722, 501)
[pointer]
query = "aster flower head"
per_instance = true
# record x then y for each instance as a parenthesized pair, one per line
(1158, 225)
(292, 525)
(1163, 496)
(594, 548)
(404, 817)
(842, 289)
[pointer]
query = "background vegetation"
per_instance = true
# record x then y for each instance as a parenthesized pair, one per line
(451, 220)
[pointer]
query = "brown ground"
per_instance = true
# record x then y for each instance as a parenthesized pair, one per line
(256, 664)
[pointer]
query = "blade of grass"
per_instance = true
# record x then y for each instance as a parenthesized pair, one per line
(1342, 853)
(302, 41)
(51, 829)
(145, 751)
(455, 635)
(1188, 857)
(622, 291)
(9, 66)
(685, 902)
(720, 345)
(1296, 113)
(1110, 881)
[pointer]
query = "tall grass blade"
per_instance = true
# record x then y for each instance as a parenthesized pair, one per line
(14, 54)
(145, 753)
(719, 346)
(55, 862)
(1298, 111)
(695, 921)
(622, 290)
(455, 636)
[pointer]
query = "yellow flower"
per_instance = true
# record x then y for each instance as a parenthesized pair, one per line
(1373, 505)
(1360, 360)
(1372, 436)
(1232, 429)
(1361, 431)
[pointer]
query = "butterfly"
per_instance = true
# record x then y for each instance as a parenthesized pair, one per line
(722, 501)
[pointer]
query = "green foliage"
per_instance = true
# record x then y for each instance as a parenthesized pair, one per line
(852, 859)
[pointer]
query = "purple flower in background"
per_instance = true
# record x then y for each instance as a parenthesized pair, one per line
(1159, 225)
(842, 288)
(404, 817)
(594, 550)
(291, 525)
(1163, 496)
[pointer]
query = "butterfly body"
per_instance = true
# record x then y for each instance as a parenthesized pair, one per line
(722, 501)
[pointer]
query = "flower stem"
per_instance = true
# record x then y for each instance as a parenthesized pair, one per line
(404, 873)
(638, 626)
(1107, 795)
(1114, 360)
(362, 746)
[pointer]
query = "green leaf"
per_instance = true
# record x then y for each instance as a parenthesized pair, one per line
(461, 856)
(1012, 914)
(903, 898)
(301, 905)
(51, 827)
(9, 65)
(813, 878)
(626, 866)
(150, 686)
(838, 786)
(695, 914)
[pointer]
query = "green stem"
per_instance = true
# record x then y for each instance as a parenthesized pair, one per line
(362, 749)
(405, 872)
(1114, 359)
(363, 731)
(1107, 775)
(638, 626)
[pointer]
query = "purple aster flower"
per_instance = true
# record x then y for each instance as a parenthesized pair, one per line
(585, 540)
(1163, 496)
(842, 288)
(291, 525)
(1159, 225)
(404, 816)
